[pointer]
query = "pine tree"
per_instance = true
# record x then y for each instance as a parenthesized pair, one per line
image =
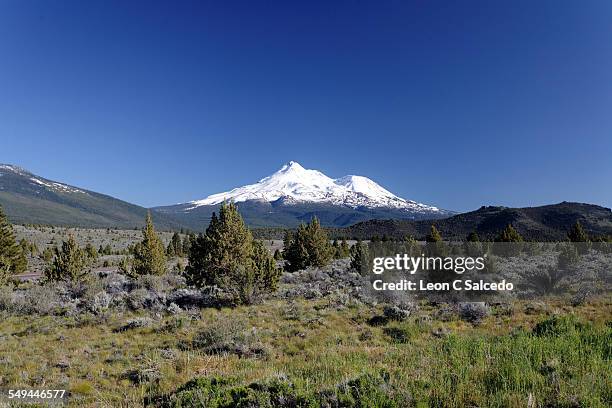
(287, 240)
(359, 256)
(149, 254)
(187, 241)
(91, 252)
(336, 249)
(435, 244)
(12, 257)
(278, 255)
(69, 262)
(309, 247)
(509, 234)
(175, 246)
(577, 233)
(228, 257)
(434, 235)
(472, 245)
(473, 237)
(344, 248)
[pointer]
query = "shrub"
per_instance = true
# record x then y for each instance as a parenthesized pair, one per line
(367, 390)
(473, 312)
(557, 326)
(397, 334)
(228, 337)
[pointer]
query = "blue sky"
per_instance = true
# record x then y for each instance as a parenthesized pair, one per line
(457, 104)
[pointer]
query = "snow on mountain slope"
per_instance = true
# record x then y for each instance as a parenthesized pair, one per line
(298, 184)
(38, 181)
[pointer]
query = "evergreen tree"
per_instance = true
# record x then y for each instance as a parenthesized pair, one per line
(472, 245)
(278, 255)
(511, 242)
(47, 254)
(69, 262)
(309, 247)
(336, 249)
(149, 254)
(228, 257)
(473, 237)
(434, 235)
(12, 257)
(287, 240)
(435, 245)
(344, 248)
(175, 246)
(359, 256)
(509, 234)
(187, 241)
(91, 252)
(577, 233)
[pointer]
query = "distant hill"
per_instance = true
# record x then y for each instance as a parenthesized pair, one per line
(30, 199)
(545, 223)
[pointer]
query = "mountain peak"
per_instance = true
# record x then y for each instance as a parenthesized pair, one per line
(291, 166)
(295, 184)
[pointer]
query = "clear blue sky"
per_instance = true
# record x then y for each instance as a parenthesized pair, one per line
(457, 104)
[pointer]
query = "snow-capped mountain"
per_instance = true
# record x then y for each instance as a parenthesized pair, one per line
(295, 184)
(294, 194)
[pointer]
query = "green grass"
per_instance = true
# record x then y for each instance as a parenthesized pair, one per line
(317, 352)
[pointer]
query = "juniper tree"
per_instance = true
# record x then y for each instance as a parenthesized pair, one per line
(511, 242)
(336, 249)
(91, 252)
(227, 256)
(434, 235)
(309, 247)
(12, 257)
(435, 244)
(473, 237)
(472, 245)
(344, 248)
(359, 256)
(149, 254)
(577, 234)
(187, 241)
(509, 234)
(175, 246)
(68, 263)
